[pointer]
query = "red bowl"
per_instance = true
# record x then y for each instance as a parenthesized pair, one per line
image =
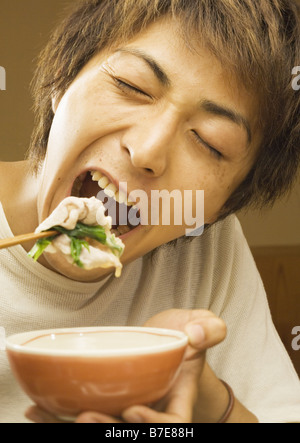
(105, 369)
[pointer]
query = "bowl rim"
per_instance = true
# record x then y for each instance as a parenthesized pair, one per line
(15, 343)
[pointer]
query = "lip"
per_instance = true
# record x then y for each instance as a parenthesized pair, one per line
(110, 178)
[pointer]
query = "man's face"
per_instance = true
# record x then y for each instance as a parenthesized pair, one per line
(156, 116)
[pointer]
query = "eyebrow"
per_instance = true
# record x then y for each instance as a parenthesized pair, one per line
(206, 105)
(156, 68)
(222, 111)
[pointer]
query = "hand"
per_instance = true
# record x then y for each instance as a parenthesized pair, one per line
(204, 330)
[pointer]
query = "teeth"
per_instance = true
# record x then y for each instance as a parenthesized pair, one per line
(120, 197)
(110, 189)
(103, 182)
(96, 176)
(129, 203)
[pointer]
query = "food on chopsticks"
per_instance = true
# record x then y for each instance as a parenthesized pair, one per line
(83, 235)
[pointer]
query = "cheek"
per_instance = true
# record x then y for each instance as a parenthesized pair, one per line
(83, 115)
(218, 183)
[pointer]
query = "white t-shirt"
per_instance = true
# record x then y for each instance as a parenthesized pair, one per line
(215, 271)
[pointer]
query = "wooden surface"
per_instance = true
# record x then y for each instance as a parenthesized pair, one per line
(280, 271)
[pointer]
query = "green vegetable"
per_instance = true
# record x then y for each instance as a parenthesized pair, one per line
(39, 247)
(76, 248)
(78, 237)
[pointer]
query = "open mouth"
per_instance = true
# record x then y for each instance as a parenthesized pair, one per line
(125, 215)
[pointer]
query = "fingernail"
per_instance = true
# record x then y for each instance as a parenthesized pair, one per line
(89, 417)
(196, 333)
(132, 417)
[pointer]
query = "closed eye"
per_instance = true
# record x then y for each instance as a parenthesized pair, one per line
(212, 150)
(128, 88)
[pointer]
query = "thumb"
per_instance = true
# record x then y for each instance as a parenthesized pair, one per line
(204, 334)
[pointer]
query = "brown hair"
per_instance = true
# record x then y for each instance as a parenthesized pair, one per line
(259, 41)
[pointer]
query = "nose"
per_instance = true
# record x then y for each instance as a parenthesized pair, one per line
(151, 141)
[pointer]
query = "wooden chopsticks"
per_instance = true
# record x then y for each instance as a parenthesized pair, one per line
(20, 239)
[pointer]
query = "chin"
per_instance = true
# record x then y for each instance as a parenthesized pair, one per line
(61, 266)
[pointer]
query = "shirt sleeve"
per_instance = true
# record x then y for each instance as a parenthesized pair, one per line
(252, 359)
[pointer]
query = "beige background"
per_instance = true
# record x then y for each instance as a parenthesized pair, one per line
(25, 27)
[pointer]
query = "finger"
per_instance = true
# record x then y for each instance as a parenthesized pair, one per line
(95, 417)
(180, 318)
(177, 318)
(202, 326)
(182, 397)
(143, 414)
(37, 415)
(204, 334)
(177, 406)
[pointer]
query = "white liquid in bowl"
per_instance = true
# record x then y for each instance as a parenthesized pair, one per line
(98, 341)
